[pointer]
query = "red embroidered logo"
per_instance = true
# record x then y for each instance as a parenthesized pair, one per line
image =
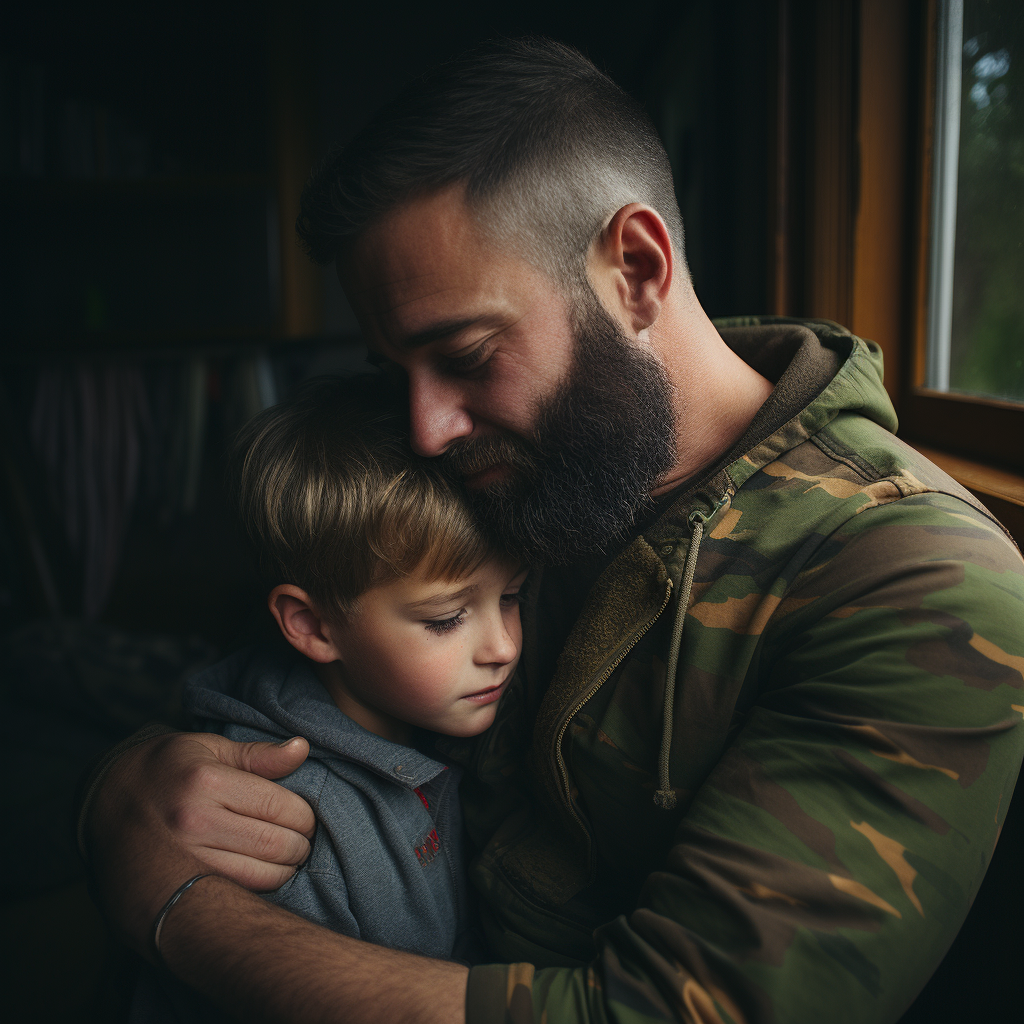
(428, 850)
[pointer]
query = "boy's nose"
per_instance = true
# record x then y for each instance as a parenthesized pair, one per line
(500, 647)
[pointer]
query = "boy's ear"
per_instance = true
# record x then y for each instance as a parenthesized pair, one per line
(301, 625)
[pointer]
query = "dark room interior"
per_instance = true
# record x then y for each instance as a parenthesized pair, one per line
(156, 298)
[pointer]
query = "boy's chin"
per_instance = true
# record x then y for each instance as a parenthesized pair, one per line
(475, 725)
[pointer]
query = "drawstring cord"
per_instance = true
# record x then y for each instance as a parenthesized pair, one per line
(665, 796)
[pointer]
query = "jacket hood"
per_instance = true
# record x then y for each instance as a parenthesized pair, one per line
(820, 371)
(278, 693)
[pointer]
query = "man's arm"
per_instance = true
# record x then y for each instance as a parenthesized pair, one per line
(828, 861)
(259, 962)
(181, 804)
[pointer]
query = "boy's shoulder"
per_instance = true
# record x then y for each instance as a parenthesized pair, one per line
(267, 688)
(272, 694)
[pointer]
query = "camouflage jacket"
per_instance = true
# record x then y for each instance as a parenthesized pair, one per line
(844, 741)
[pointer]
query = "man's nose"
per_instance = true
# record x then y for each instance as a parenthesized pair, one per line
(436, 415)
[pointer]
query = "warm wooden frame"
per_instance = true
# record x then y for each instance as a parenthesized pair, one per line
(852, 243)
(988, 430)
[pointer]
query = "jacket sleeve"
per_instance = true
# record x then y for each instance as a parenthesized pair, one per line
(828, 861)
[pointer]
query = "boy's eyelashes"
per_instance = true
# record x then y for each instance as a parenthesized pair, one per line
(442, 626)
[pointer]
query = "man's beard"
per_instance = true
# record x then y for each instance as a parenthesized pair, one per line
(601, 442)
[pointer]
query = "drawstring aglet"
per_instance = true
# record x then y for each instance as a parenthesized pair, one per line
(665, 799)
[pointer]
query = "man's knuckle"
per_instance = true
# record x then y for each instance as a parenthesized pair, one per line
(275, 803)
(187, 819)
(246, 753)
(267, 804)
(203, 777)
(267, 845)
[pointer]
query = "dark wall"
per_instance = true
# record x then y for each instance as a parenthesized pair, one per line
(182, 92)
(702, 70)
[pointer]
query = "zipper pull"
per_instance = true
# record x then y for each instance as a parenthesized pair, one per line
(698, 516)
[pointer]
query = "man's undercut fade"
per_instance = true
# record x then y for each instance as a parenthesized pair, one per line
(547, 148)
(335, 502)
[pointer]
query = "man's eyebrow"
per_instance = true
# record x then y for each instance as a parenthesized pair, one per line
(446, 596)
(446, 329)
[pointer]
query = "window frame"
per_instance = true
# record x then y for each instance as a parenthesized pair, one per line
(986, 429)
(850, 218)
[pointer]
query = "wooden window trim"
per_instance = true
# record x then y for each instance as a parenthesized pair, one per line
(984, 430)
(1002, 492)
(863, 149)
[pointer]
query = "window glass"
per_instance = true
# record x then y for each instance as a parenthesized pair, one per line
(976, 305)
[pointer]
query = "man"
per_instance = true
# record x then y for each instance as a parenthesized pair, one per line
(770, 714)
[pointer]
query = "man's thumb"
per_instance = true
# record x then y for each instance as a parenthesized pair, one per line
(272, 760)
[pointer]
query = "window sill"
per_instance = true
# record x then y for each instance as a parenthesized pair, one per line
(1001, 491)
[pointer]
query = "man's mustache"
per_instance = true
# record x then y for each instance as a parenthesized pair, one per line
(469, 455)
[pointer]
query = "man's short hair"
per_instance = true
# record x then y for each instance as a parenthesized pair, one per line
(335, 501)
(547, 146)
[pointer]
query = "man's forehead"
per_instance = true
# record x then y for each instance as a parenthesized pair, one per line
(410, 250)
(414, 308)
(415, 230)
(424, 262)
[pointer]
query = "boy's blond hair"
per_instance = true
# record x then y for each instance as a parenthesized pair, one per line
(336, 502)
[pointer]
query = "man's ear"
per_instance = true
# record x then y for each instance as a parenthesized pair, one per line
(631, 265)
(301, 624)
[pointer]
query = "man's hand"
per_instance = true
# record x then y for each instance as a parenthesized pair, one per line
(189, 803)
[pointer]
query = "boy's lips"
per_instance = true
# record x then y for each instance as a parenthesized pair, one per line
(488, 696)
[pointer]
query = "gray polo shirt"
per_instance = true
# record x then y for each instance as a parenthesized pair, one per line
(387, 862)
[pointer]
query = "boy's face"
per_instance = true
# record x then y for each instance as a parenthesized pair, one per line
(428, 653)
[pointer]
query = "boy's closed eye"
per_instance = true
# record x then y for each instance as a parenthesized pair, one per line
(442, 626)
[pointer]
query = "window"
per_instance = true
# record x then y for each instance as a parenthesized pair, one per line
(975, 323)
(898, 170)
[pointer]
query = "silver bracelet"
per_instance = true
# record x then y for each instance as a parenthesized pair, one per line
(159, 922)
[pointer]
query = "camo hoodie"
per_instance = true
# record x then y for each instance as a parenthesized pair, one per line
(838, 741)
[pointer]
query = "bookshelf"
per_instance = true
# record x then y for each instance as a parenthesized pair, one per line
(150, 165)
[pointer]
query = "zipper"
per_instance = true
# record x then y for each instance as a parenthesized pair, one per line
(601, 680)
(704, 517)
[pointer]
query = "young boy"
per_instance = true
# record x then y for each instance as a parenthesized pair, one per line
(399, 617)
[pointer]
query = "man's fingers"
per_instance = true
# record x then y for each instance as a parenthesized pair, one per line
(176, 804)
(268, 760)
(271, 760)
(228, 780)
(239, 834)
(261, 801)
(257, 875)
